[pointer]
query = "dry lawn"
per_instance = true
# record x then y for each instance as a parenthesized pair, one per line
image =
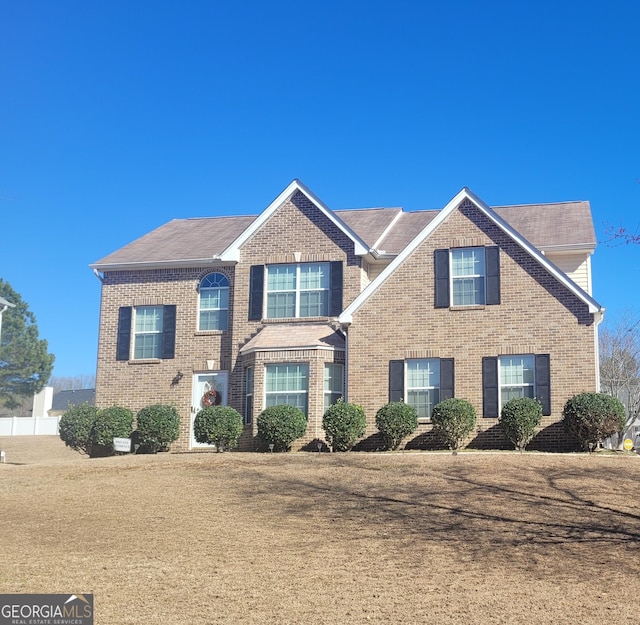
(307, 538)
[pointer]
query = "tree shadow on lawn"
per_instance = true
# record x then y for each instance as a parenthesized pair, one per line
(536, 508)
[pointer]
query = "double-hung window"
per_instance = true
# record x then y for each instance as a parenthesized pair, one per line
(467, 276)
(422, 382)
(147, 332)
(517, 377)
(333, 383)
(248, 396)
(300, 290)
(423, 385)
(214, 302)
(287, 384)
(513, 376)
(289, 291)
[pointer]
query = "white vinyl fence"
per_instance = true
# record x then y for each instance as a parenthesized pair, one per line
(29, 426)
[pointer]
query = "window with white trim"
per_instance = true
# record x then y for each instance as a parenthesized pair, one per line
(287, 384)
(423, 385)
(147, 332)
(468, 276)
(517, 377)
(300, 290)
(333, 383)
(248, 396)
(214, 302)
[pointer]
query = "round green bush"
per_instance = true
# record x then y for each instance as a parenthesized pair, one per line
(218, 425)
(281, 425)
(111, 422)
(344, 424)
(519, 419)
(592, 417)
(453, 420)
(157, 426)
(75, 427)
(395, 421)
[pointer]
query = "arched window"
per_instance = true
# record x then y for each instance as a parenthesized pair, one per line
(214, 302)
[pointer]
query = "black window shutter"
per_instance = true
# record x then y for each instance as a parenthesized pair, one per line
(335, 294)
(168, 331)
(490, 386)
(123, 342)
(543, 382)
(256, 292)
(441, 264)
(492, 267)
(447, 385)
(396, 380)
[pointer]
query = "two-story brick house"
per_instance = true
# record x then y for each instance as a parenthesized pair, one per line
(303, 304)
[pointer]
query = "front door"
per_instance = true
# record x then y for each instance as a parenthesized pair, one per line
(202, 384)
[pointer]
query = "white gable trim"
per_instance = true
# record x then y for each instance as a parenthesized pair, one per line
(232, 253)
(347, 315)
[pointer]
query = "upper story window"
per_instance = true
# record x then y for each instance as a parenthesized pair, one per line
(467, 276)
(214, 302)
(290, 291)
(146, 332)
(297, 290)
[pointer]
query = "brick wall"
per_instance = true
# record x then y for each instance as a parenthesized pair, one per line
(536, 315)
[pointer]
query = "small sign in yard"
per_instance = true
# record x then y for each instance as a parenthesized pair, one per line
(628, 444)
(122, 444)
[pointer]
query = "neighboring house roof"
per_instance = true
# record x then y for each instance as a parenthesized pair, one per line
(379, 231)
(284, 337)
(62, 400)
(465, 194)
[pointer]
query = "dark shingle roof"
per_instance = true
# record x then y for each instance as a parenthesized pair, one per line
(62, 400)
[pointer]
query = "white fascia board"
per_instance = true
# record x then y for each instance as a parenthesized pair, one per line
(160, 264)
(562, 277)
(297, 348)
(232, 253)
(346, 317)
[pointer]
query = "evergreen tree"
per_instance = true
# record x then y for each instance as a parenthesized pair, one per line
(25, 364)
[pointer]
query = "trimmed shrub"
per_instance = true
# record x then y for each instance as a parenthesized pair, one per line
(592, 417)
(453, 420)
(75, 427)
(91, 431)
(281, 425)
(395, 421)
(344, 424)
(218, 425)
(157, 426)
(111, 422)
(519, 419)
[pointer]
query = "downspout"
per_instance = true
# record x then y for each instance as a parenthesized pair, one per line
(598, 317)
(343, 328)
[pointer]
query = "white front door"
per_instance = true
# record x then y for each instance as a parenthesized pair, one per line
(203, 382)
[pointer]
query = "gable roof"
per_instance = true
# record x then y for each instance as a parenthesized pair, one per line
(465, 194)
(232, 252)
(380, 232)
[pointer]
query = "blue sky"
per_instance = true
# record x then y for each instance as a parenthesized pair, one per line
(118, 116)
